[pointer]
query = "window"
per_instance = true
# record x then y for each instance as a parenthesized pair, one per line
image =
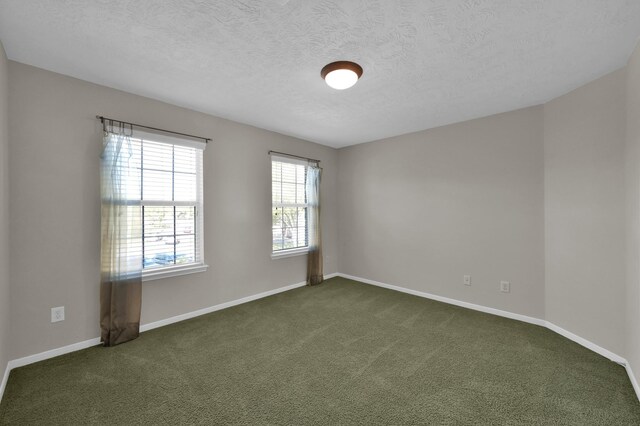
(167, 183)
(288, 207)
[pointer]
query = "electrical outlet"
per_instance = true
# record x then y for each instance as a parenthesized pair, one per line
(505, 286)
(57, 314)
(467, 280)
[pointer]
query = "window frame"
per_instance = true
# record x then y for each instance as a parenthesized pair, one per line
(199, 265)
(296, 251)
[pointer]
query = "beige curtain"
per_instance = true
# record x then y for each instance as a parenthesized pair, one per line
(121, 249)
(314, 261)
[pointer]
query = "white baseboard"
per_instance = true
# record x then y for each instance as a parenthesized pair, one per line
(5, 378)
(20, 362)
(189, 315)
(450, 301)
(150, 326)
(584, 342)
(587, 344)
(634, 381)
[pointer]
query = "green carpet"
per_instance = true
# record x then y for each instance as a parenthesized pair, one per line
(339, 353)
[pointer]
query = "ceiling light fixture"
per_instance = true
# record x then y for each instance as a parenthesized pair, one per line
(341, 75)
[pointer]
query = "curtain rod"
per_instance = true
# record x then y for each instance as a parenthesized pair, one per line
(294, 156)
(113, 120)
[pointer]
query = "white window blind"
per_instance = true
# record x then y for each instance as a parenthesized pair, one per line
(165, 181)
(289, 205)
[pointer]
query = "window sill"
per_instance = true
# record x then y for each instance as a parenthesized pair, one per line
(173, 272)
(289, 253)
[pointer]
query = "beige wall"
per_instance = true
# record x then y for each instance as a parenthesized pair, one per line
(633, 213)
(584, 135)
(4, 214)
(422, 210)
(55, 144)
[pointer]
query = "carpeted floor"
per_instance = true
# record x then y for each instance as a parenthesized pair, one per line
(339, 353)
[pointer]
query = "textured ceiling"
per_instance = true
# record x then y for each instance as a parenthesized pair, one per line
(426, 63)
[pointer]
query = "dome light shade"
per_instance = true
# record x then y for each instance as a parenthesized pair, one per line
(341, 75)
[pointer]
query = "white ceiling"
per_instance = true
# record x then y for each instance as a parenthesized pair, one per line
(426, 62)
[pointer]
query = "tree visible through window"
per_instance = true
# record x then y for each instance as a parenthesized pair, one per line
(289, 205)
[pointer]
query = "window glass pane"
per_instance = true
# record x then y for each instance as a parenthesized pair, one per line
(158, 221)
(185, 159)
(276, 193)
(276, 220)
(157, 185)
(300, 194)
(276, 171)
(277, 240)
(302, 227)
(288, 173)
(158, 251)
(185, 220)
(185, 249)
(158, 236)
(157, 156)
(288, 193)
(185, 187)
(301, 172)
(276, 217)
(290, 227)
(163, 246)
